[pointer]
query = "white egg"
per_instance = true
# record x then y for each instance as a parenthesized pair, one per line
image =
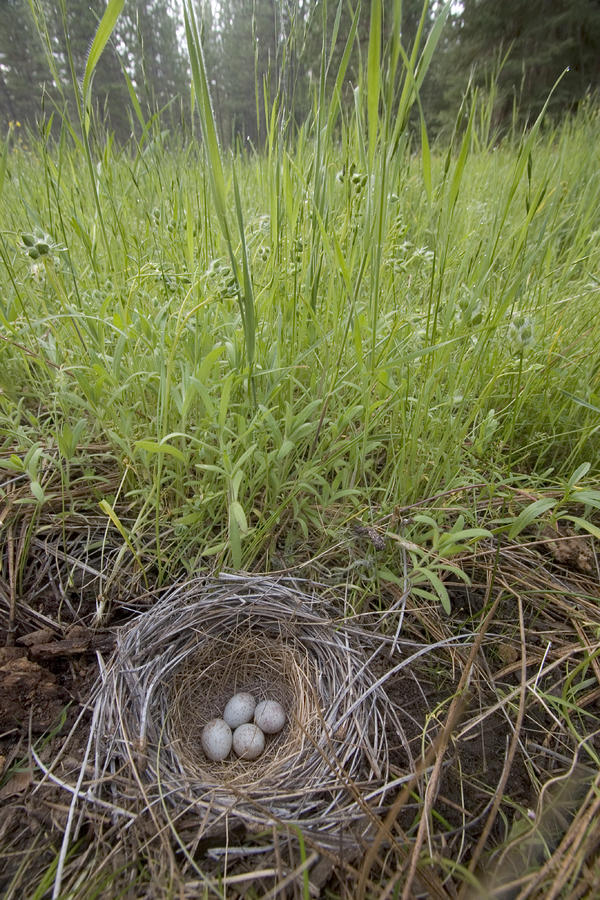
(269, 715)
(248, 741)
(216, 739)
(239, 710)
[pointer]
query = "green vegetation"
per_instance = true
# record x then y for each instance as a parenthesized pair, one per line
(269, 348)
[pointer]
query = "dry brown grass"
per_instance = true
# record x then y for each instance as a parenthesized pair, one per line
(460, 759)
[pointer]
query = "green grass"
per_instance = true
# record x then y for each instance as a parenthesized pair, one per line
(380, 326)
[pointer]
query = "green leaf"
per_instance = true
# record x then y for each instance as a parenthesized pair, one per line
(431, 42)
(285, 449)
(588, 498)
(133, 97)
(103, 33)
(202, 391)
(427, 520)
(529, 514)
(426, 595)
(237, 511)
(162, 448)
(37, 490)
(235, 483)
(14, 463)
(525, 152)
(468, 534)
(191, 518)
(580, 401)
(247, 303)
(214, 549)
(209, 467)
(235, 541)
(415, 74)
(446, 549)
(583, 523)
(385, 574)
(461, 161)
(339, 81)
(224, 402)
(206, 366)
(579, 473)
(439, 587)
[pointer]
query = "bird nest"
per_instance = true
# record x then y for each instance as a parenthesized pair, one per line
(176, 666)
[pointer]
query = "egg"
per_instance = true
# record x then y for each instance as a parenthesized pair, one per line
(248, 741)
(239, 710)
(269, 715)
(216, 739)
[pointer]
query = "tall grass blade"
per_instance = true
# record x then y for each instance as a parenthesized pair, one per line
(416, 72)
(3, 160)
(207, 119)
(426, 157)
(133, 97)
(109, 511)
(374, 77)
(334, 107)
(217, 178)
(431, 43)
(248, 304)
(101, 38)
(461, 162)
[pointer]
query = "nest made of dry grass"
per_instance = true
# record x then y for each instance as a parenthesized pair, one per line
(176, 666)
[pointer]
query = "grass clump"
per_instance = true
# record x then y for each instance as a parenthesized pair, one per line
(462, 352)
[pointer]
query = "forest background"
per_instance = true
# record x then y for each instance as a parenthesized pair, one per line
(259, 51)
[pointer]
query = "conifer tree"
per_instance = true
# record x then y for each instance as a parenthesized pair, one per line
(23, 67)
(540, 38)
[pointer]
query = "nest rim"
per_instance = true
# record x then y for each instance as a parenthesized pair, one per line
(312, 775)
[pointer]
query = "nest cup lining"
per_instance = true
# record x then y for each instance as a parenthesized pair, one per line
(267, 668)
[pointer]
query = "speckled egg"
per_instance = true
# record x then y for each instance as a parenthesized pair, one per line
(216, 739)
(239, 710)
(269, 715)
(248, 741)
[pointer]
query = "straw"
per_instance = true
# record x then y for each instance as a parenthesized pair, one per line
(176, 666)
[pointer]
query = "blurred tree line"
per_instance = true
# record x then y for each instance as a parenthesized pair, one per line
(261, 51)
(145, 45)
